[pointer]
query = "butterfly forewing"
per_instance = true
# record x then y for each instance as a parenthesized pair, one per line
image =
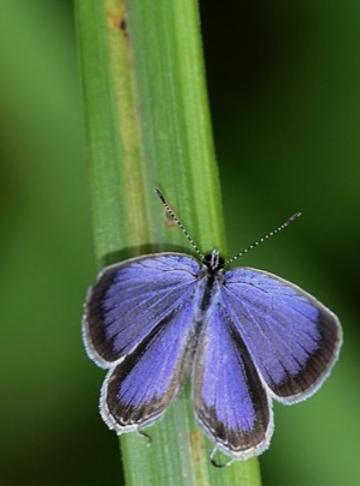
(229, 399)
(131, 298)
(292, 339)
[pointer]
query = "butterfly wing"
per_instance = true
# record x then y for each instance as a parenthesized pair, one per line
(139, 322)
(292, 338)
(137, 391)
(132, 298)
(230, 402)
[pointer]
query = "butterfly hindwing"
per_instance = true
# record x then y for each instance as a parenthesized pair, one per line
(130, 299)
(230, 402)
(137, 391)
(293, 339)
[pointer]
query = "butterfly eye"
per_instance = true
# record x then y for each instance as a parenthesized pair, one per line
(221, 262)
(207, 259)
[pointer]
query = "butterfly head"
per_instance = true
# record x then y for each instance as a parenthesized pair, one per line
(213, 261)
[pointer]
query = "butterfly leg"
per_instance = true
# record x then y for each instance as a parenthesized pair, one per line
(144, 435)
(217, 464)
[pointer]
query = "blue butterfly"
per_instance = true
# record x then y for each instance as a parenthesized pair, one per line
(246, 337)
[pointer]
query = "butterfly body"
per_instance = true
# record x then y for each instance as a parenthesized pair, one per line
(245, 336)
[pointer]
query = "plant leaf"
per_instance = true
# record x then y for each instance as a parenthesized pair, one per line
(148, 124)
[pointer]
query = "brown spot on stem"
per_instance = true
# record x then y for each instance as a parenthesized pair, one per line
(116, 20)
(122, 26)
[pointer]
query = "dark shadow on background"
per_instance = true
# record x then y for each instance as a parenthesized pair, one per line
(146, 249)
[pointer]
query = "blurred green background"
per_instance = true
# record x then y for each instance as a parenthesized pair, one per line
(284, 83)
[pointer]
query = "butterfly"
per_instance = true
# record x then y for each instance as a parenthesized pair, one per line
(247, 337)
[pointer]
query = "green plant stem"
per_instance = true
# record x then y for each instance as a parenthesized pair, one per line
(148, 124)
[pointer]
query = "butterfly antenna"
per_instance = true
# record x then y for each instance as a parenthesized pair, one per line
(173, 216)
(264, 238)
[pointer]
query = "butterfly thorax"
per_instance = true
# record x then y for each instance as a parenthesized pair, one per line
(210, 279)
